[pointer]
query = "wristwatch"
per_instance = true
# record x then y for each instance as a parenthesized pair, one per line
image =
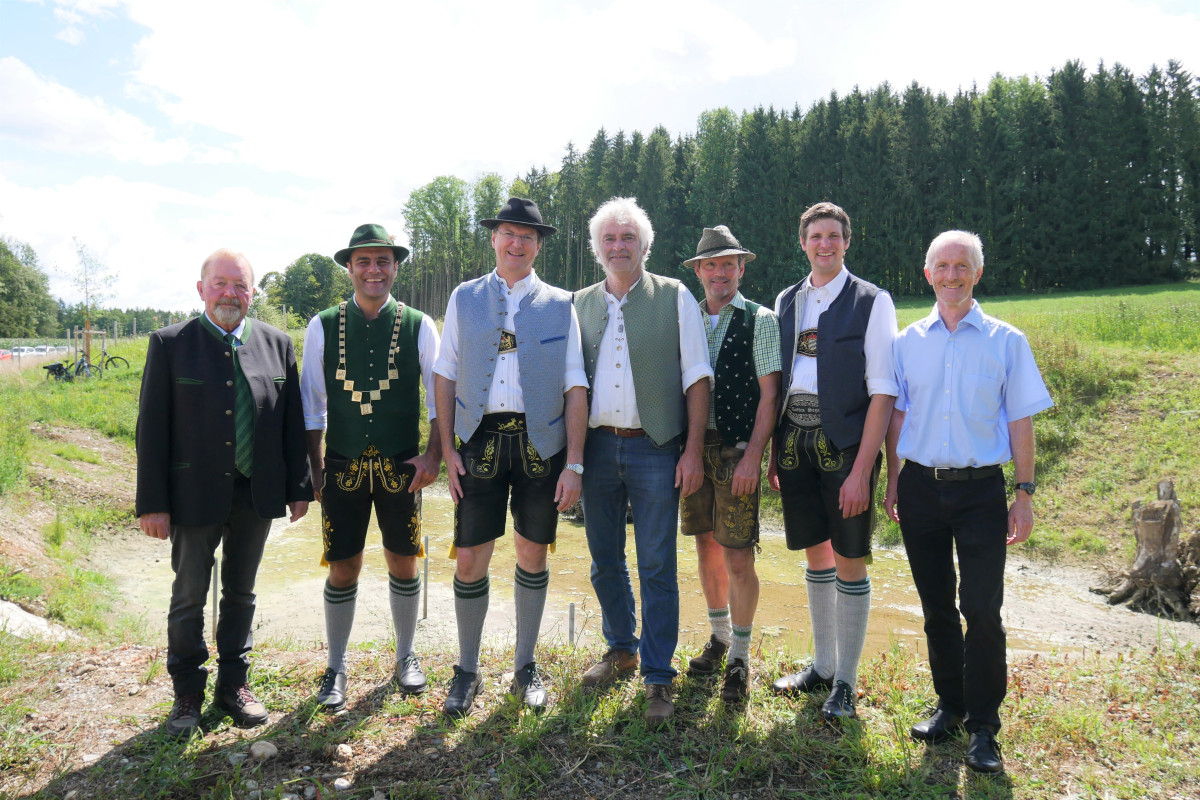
(1029, 487)
(578, 469)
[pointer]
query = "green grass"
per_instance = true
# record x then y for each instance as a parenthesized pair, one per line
(15, 585)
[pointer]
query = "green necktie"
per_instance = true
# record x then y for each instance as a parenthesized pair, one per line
(243, 413)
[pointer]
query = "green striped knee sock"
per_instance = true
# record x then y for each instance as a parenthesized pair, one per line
(339, 619)
(529, 596)
(404, 596)
(470, 609)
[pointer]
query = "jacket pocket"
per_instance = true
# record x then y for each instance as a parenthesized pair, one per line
(180, 465)
(553, 339)
(190, 381)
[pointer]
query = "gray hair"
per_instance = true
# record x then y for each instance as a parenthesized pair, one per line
(967, 239)
(623, 211)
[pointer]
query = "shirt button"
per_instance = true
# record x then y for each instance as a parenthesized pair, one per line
(229, 444)
(228, 474)
(228, 412)
(229, 383)
(618, 366)
(227, 356)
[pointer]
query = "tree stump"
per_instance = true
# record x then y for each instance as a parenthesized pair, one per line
(1156, 581)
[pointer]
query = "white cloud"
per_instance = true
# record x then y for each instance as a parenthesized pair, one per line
(41, 113)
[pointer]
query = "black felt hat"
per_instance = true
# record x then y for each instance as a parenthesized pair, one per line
(519, 211)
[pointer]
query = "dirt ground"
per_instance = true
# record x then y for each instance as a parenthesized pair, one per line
(97, 700)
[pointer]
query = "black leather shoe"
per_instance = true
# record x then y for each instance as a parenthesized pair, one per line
(797, 682)
(331, 694)
(709, 660)
(528, 687)
(241, 705)
(736, 688)
(409, 675)
(938, 727)
(983, 753)
(840, 704)
(184, 719)
(464, 688)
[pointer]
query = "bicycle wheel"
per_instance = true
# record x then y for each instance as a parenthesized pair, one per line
(88, 370)
(116, 361)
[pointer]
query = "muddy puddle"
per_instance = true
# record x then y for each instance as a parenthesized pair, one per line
(291, 580)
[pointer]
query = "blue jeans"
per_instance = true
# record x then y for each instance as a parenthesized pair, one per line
(641, 473)
(243, 535)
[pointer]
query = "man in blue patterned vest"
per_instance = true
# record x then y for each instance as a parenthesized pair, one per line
(743, 348)
(364, 362)
(836, 335)
(647, 363)
(510, 385)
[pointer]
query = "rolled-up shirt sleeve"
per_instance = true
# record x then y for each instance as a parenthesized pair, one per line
(574, 373)
(428, 349)
(447, 358)
(693, 341)
(881, 333)
(312, 377)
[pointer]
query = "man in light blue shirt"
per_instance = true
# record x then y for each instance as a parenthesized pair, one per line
(969, 388)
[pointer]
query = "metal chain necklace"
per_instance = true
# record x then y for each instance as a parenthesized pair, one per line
(365, 397)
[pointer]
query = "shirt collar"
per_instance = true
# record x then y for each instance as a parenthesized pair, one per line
(737, 302)
(237, 332)
(389, 304)
(527, 284)
(834, 287)
(974, 317)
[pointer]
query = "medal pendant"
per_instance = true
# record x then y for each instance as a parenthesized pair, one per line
(348, 386)
(376, 394)
(394, 374)
(385, 384)
(356, 397)
(340, 374)
(366, 408)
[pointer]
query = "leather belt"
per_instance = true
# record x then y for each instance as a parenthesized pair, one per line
(958, 473)
(624, 433)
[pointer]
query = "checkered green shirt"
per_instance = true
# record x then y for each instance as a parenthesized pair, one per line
(766, 341)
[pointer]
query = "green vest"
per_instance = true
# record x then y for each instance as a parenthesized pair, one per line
(393, 424)
(651, 314)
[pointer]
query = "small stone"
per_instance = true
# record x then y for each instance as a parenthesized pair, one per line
(378, 795)
(90, 757)
(341, 784)
(310, 792)
(263, 750)
(236, 758)
(134, 690)
(306, 768)
(251, 784)
(343, 751)
(60, 687)
(257, 793)
(290, 796)
(71, 794)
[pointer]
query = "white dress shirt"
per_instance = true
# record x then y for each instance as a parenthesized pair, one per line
(312, 377)
(506, 395)
(811, 303)
(614, 401)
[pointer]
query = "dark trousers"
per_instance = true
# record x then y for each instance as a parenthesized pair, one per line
(937, 518)
(243, 535)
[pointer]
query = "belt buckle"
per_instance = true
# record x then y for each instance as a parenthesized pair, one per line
(936, 470)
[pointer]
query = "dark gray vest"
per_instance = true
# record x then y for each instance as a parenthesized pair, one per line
(841, 358)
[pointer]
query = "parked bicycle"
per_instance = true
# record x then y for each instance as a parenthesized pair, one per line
(58, 371)
(83, 368)
(109, 362)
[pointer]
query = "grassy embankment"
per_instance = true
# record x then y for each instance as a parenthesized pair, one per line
(1123, 370)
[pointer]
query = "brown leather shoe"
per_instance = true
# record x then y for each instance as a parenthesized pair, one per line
(709, 660)
(614, 664)
(659, 707)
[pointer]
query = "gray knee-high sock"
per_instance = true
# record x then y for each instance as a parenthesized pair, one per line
(718, 620)
(739, 647)
(853, 610)
(822, 611)
(529, 596)
(470, 609)
(339, 619)
(404, 596)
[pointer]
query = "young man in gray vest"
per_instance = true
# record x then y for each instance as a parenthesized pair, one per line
(836, 335)
(743, 348)
(510, 385)
(646, 357)
(364, 362)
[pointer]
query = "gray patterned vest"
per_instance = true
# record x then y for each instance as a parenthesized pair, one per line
(652, 330)
(541, 326)
(841, 358)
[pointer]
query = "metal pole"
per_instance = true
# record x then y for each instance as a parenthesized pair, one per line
(425, 583)
(571, 625)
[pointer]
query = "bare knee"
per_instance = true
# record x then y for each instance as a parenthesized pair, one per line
(345, 572)
(740, 563)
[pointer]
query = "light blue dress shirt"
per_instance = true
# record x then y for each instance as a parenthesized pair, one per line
(960, 390)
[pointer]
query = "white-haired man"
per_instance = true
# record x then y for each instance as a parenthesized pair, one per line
(969, 388)
(646, 357)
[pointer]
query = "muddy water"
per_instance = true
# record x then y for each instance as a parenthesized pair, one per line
(291, 580)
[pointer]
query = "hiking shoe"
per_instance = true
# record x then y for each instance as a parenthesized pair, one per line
(241, 705)
(736, 688)
(613, 665)
(331, 694)
(184, 719)
(659, 707)
(709, 660)
(527, 685)
(409, 675)
(464, 688)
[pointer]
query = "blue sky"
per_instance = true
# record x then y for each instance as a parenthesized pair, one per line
(155, 132)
